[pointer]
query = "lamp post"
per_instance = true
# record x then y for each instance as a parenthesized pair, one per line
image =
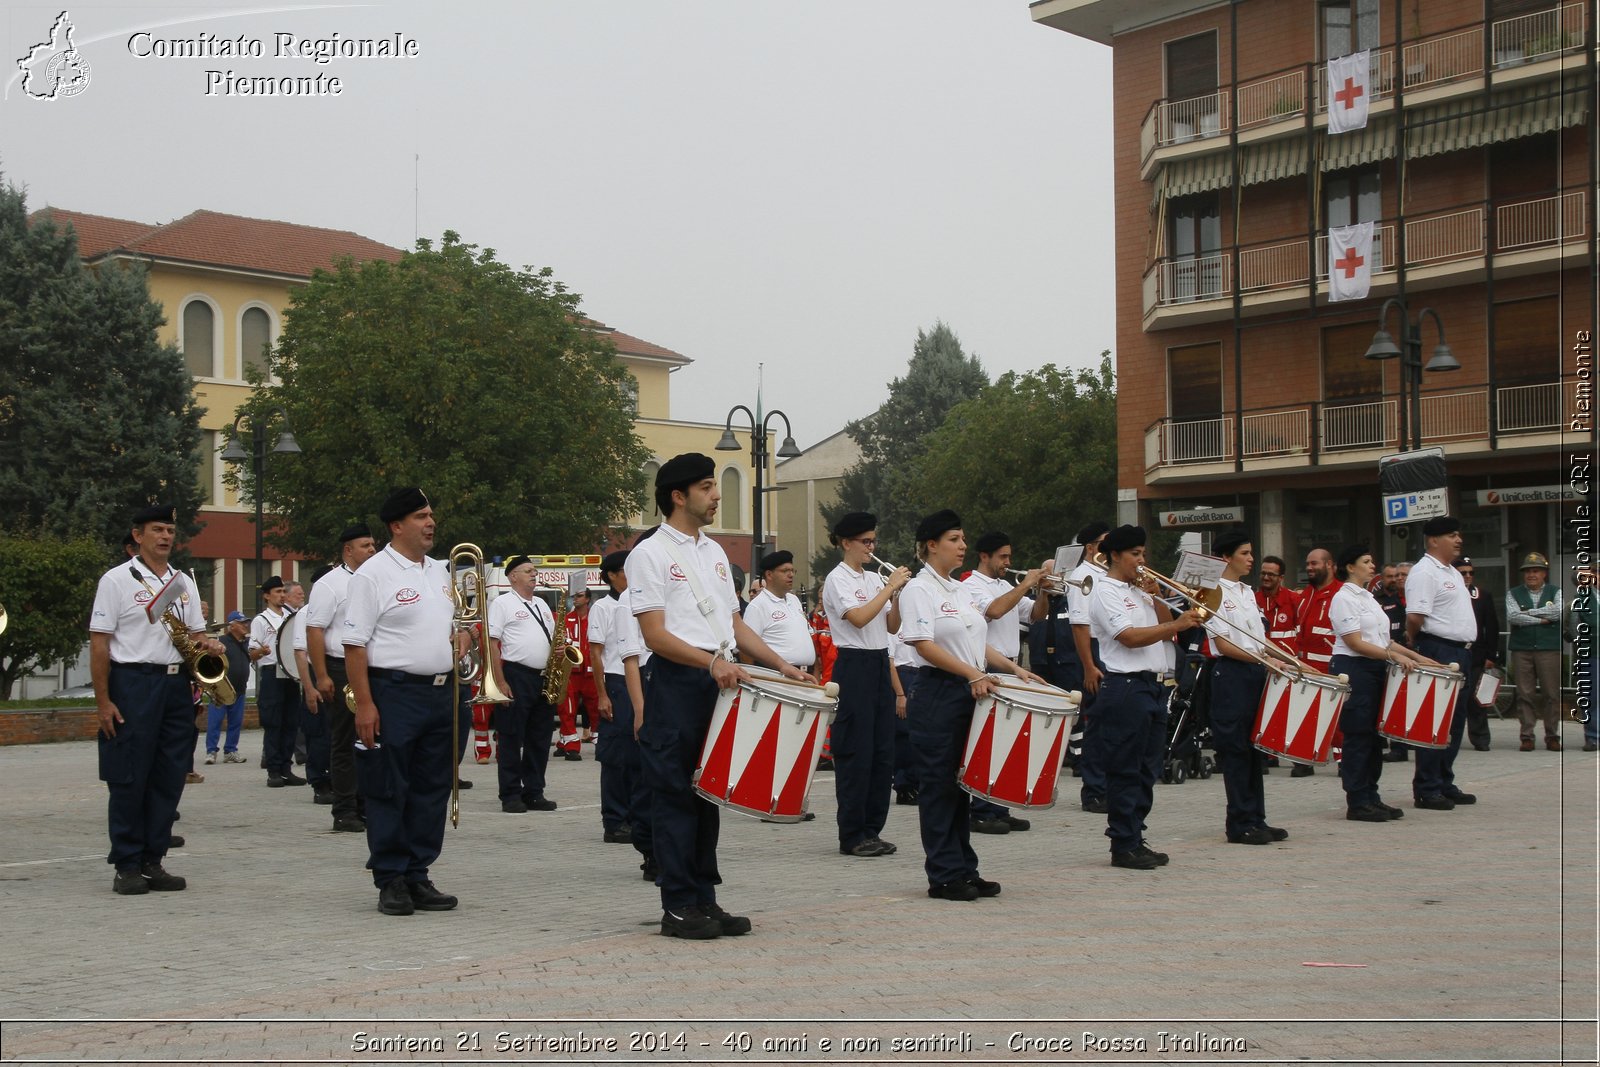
(758, 459)
(1383, 347)
(257, 456)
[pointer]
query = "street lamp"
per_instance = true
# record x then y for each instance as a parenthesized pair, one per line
(758, 459)
(1383, 347)
(257, 456)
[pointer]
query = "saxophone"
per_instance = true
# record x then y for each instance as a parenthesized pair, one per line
(563, 657)
(208, 669)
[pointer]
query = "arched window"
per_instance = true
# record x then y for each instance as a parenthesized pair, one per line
(731, 510)
(651, 514)
(199, 329)
(255, 339)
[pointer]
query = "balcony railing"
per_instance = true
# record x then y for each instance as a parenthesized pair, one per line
(1189, 441)
(1277, 433)
(1346, 426)
(1537, 36)
(1438, 60)
(1538, 408)
(1273, 99)
(1457, 235)
(1380, 78)
(1449, 416)
(1546, 221)
(1189, 278)
(1182, 121)
(1382, 251)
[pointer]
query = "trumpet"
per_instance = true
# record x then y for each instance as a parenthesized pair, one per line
(884, 569)
(1207, 601)
(1056, 584)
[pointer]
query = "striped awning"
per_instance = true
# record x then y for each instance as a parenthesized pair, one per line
(1358, 147)
(1272, 160)
(1524, 111)
(1198, 174)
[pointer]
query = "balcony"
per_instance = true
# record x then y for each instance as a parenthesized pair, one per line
(1431, 69)
(1345, 435)
(1448, 247)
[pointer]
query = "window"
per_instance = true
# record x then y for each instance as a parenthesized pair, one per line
(255, 342)
(1192, 66)
(629, 388)
(210, 491)
(1351, 196)
(1195, 238)
(1348, 375)
(651, 514)
(1194, 381)
(1527, 341)
(1348, 26)
(731, 509)
(199, 335)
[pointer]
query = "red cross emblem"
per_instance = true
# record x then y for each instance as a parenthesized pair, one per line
(1347, 95)
(1349, 263)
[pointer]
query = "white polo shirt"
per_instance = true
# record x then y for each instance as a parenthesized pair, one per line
(1115, 606)
(1077, 602)
(119, 602)
(326, 607)
(264, 634)
(296, 639)
(1238, 607)
(1437, 592)
(627, 636)
(515, 623)
(1005, 633)
(845, 590)
(782, 625)
(658, 585)
(900, 653)
(938, 610)
(602, 628)
(1354, 609)
(402, 614)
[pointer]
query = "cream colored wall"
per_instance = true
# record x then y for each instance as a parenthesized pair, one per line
(803, 530)
(655, 387)
(666, 439)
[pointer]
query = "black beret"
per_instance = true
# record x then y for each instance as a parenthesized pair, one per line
(614, 562)
(773, 560)
(156, 513)
(684, 470)
(855, 524)
(1123, 538)
(1093, 532)
(513, 561)
(935, 526)
(354, 532)
(1444, 524)
(1228, 541)
(272, 583)
(1352, 553)
(992, 542)
(401, 503)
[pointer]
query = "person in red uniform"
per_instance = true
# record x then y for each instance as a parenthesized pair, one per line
(581, 693)
(1280, 606)
(1315, 638)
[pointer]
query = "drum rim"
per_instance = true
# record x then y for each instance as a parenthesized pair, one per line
(1000, 697)
(801, 694)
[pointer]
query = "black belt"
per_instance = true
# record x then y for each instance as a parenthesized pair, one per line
(1144, 676)
(407, 678)
(149, 668)
(1463, 645)
(508, 664)
(936, 672)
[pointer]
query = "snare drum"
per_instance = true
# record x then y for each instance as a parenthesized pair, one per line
(1298, 716)
(1419, 704)
(763, 744)
(1014, 745)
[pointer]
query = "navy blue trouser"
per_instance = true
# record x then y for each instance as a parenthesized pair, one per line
(684, 825)
(1132, 733)
(1361, 760)
(405, 780)
(863, 743)
(639, 799)
(341, 722)
(144, 764)
(525, 727)
(279, 721)
(1235, 699)
(905, 760)
(315, 729)
(940, 714)
(618, 753)
(1091, 762)
(1436, 767)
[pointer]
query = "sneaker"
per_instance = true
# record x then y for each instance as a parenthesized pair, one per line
(905, 796)
(1256, 835)
(129, 883)
(233, 757)
(426, 896)
(732, 925)
(349, 824)
(889, 847)
(618, 837)
(160, 881)
(990, 826)
(1016, 824)
(211, 757)
(689, 922)
(1161, 858)
(954, 891)
(394, 899)
(984, 887)
(194, 777)
(1434, 802)
(1134, 861)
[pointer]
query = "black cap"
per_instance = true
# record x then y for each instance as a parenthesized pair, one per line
(614, 562)
(272, 583)
(354, 532)
(773, 560)
(1228, 541)
(1123, 538)
(935, 526)
(992, 542)
(156, 513)
(1093, 532)
(1444, 524)
(513, 561)
(855, 524)
(401, 503)
(684, 470)
(1352, 553)
(1464, 561)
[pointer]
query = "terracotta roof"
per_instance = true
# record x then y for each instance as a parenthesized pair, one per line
(628, 345)
(97, 234)
(211, 238)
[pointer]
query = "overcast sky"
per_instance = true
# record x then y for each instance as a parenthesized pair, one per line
(802, 185)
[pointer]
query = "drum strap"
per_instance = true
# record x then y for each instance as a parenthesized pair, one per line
(721, 628)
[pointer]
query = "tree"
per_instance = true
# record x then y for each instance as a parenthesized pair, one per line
(46, 587)
(451, 371)
(1034, 455)
(96, 416)
(938, 377)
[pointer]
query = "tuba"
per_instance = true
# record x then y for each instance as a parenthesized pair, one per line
(563, 657)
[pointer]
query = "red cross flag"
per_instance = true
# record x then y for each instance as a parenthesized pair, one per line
(1349, 91)
(1349, 261)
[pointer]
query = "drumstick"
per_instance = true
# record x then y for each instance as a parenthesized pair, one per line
(1075, 694)
(831, 689)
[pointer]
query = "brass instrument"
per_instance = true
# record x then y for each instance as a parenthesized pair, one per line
(1207, 601)
(563, 656)
(1056, 584)
(468, 593)
(209, 670)
(884, 569)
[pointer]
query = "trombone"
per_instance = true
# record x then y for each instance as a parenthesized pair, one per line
(469, 594)
(1207, 601)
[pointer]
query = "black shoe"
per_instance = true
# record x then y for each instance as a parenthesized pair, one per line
(990, 826)
(349, 824)
(160, 881)
(689, 922)
(808, 816)
(1390, 810)
(275, 781)
(1095, 805)
(1435, 802)
(514, 806)
(889, 847)
(1459, 797)
(1161, 858)
(1367, 813)
(1256, 835)
(1481, 747)
(1271, 761)
(732, 925)
(463, 783)
(1591, 746)
(905, 796)
(619, 837)
(292, 778)
(540, 805)
(393, 899)
(825, 763)
(322, 796)
(650, 870)
(1019, 825)
(426, 896)
(573, 757)
(1134, 861)
(130, 884)
(1393, 756)
(864, 849)
(1302, 770)
(984, 887)
(954, 891)
(176, 841)
(1278, 833)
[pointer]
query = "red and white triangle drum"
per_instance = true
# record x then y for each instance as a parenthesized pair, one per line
(1015, 743)
(762, 747)
(1419, 705)
(1298, 715)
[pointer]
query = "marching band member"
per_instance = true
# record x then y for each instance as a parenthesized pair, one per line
(325, 615)
(1235, 637)
(1090, 669)
(683, 597)
(637, 668)
(143, 703)
(949, 635)
(295, 677)
(904, 658)
(274, 703)
(615, 748)
(1442, 627)
(522, 625)
(1131, 704)
(400, 648)
(1361, 649)
(861, 612)
(1004, 606)
(776, 615)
